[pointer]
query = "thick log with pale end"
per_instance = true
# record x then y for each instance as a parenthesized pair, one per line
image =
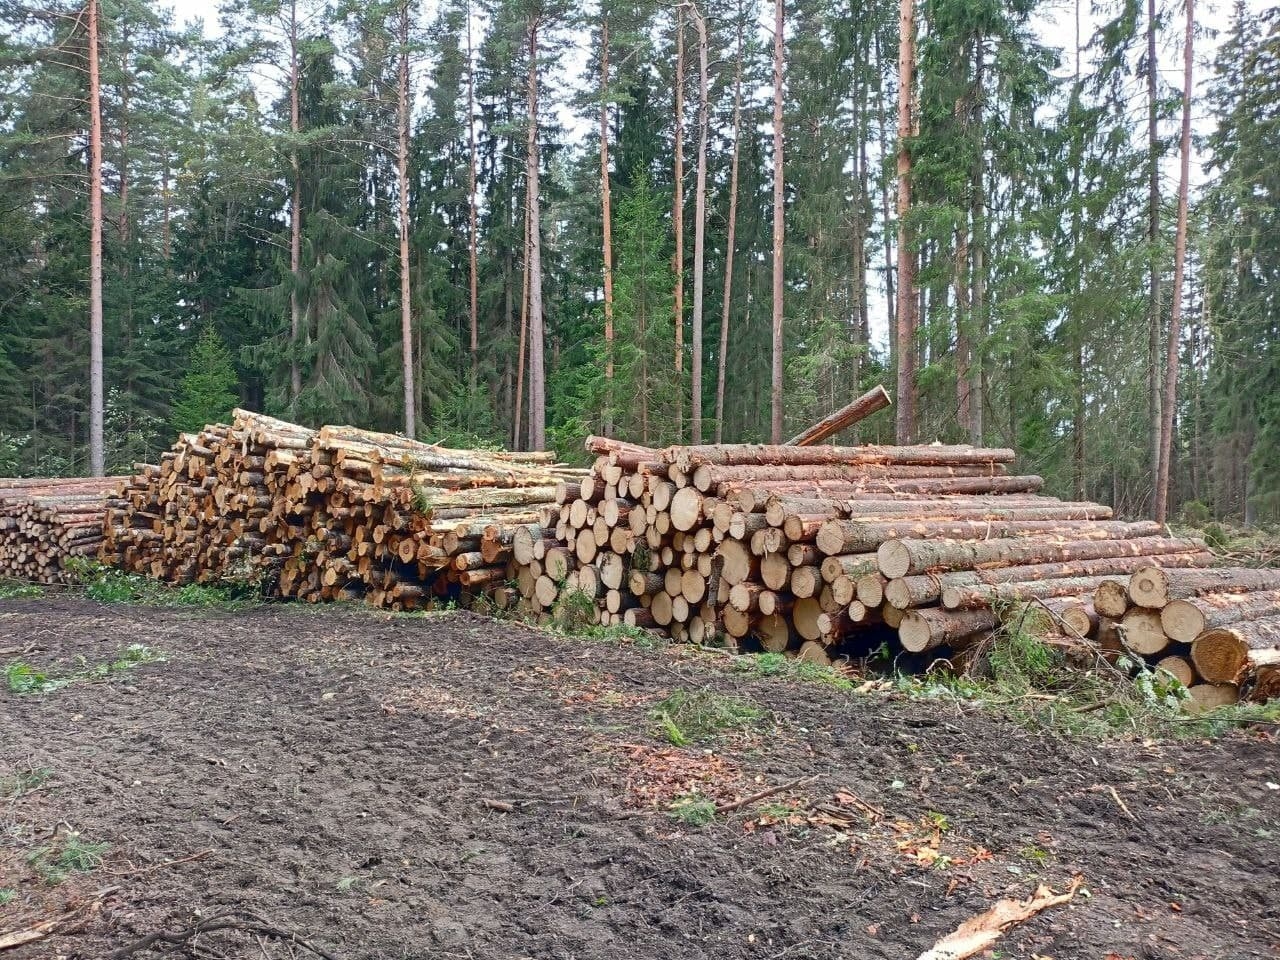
(1185, 620)
(1222, 654)
(1154, 587)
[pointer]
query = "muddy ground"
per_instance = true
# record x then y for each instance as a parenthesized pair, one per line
(451, 786)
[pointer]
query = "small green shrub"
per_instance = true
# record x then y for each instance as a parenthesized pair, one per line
(693, 809)
(13, 590)
(693, 716)
(69, 854)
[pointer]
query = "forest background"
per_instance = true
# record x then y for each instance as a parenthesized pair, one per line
(394, 216)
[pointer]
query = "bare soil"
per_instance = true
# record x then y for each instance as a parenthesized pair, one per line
(452, 786)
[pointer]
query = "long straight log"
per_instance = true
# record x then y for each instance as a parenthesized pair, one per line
(875, 399)
(971, 597)
(900, 558)
(925, 589)
(857, 536)
(847, 490)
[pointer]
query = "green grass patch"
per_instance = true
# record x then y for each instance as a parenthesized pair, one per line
(23, 781)
(22, 678)
(7, 896)
(804, 671)
(1032, 682)
(108, 585)
(695, 716)
(69, 854)
(16, 590)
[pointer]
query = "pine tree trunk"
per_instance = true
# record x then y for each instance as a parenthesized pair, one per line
(699, 229)
(906, 305)
(402, 175)
(295, 212)
(978, 260)
(1179, 270)
(1077, 310)
(677, 220)
(473, 235)
(731, 238)
(1153, 240)
(606, 215)
(97, 451)
(779, 225)
(537, 374)
(890, 296)
(517, 422)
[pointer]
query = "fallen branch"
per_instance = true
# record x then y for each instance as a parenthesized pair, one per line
(251, 923)
(747, 801)
(981, 932)
(19, 937)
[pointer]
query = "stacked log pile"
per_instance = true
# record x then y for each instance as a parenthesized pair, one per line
(1215, 630)
(45, 522)
(336, 513)
(822, 552)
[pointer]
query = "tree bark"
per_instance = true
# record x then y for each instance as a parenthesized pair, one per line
(517, 421)
(402, 175)
(473, 234)
(731, 238)
(606, 215)
(1179, 269)
(779, 223)
(295, 212)
(537, 374)
(97, 451)
(699, 229)
(677, 221)
(1153, 239)
(906, 300)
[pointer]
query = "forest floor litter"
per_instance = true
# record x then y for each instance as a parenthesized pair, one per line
(272, 781)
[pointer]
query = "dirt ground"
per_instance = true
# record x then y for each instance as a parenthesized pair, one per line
(451, 786)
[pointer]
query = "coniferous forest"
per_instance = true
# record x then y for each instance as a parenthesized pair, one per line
(516, 222)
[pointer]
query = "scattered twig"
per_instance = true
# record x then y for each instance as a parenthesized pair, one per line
(251, 923)
(500, 805)
(1098, 788)
(761, 795)
(160, 866)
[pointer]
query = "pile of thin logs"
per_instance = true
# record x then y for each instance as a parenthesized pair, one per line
(826, 552)
(334, 513)
(1217, 630)
(44, 522)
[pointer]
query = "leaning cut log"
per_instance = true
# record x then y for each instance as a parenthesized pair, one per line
(1223, 653)
(874, 399)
